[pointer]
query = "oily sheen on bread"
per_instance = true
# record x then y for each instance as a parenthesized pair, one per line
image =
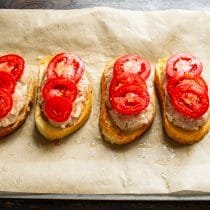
(49, 131)
(4, 131)
(176, 133)
(109, 130)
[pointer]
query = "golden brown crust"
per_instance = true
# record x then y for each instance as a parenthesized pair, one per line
(109, 131)
(51, 132)
(178, 134)
(23, 114)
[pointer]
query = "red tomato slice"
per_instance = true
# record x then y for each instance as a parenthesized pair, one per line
(66, 65)
(58, 108)
(5, 103)
(130, 100)
(191, 102)
(130, 78)
(132, 64)
(7, 82)
(194, 81)
(126, 79)
(60, 87)
(13, 64)
(183, 63)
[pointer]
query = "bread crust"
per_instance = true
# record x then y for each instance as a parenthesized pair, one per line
(4, 131)
(51, 132)
(176, 133)
(109, 130)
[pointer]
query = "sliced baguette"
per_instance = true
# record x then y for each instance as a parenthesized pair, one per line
(49, 131)
(176, 133)
(109, 130)
(4, 131)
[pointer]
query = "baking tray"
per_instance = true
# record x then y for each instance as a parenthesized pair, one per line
(177, 196)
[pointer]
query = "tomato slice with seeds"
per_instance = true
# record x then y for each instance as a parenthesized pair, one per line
(194, 81)
(130, 78)
(130, 100)
(13, 64)
(66, 65)
(183, 63)
(7, 82)
(5, 103)
(126, 79)
(58, 108)
(132, 64)
(191, 102)
(60, 87)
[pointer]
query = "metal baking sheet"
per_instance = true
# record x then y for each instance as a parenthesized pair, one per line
(44, 28)
(183, 196)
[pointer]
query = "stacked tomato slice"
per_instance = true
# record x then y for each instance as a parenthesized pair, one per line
(128, 93)
(60, 90)
(187, 89)
(11, 69)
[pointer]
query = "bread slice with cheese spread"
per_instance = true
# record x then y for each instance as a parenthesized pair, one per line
(178, 134)
(108, 128)
(49, 131)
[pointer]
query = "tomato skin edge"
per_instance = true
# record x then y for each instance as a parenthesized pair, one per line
(21, 62)
(9, 78)
(51, 67)
(59, 81)
(175, 81)
(118, 65)
(133, 110)
(6, 110)
(171, 62)
(59, 102)
(125, 80)
(189, 112)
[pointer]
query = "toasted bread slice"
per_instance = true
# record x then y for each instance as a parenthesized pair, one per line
(109, 130)
(49, 131)
(4, 131)
(176, 133)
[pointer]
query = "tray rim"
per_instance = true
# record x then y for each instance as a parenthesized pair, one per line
(109, 197)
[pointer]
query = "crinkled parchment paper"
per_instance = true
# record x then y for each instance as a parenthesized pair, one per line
(83, 163)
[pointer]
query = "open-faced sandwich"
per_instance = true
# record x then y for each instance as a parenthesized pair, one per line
(16, 92)
(64, 96)
(184, 98)
(127, 99)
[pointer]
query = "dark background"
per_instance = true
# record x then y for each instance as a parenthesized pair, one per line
(123, 4)
(111, 205)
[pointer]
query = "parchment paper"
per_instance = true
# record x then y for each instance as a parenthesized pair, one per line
(83, 163)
